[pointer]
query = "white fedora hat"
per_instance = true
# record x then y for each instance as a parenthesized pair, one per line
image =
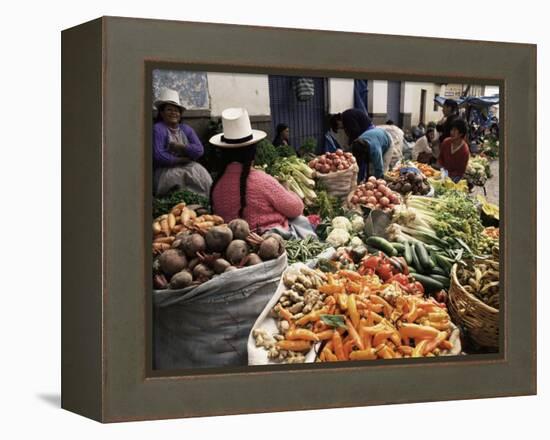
(237, 131)
(168, 96)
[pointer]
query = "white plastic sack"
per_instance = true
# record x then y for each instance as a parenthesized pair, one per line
(208, 325)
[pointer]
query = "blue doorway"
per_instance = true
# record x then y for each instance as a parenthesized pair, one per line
(306, 119)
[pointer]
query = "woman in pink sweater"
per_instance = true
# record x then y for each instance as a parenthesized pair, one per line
(240, 191)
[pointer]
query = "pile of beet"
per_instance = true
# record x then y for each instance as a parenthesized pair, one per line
(196, 257)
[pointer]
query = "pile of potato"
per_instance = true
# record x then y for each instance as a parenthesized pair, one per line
(411, 182)
(331, 162)
(375, 194)
(203, 246)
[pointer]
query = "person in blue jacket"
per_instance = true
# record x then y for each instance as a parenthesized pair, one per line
(373, 151)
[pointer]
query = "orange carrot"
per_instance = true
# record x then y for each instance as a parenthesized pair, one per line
(171, 221)
(311, 317)
(354, 276)
(301, 334)
(331, 289)
(433, 343)
(168, 240)
(329, 355)
(373, 330)
(418, 351)
(348, 347)
(284, 313)
(352, 310)
(342, 301)
(381, 336)
(293, 345)
(354, 335)
(379, 300)
(362, 355)
(338, 347)
(164, 226)
(417, 331)
(324, 335)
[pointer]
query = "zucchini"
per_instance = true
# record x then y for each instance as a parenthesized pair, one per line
(408, 253)
(444, 263)
(382, 244)
(412, 270)
(423, 256)
(439, 271)
(415, 262)
(373, 251)
(432, 257)
(430, 284)
(442, 279)
(399, 247)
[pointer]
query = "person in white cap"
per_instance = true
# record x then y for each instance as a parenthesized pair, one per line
(239, 190)
(176, 147)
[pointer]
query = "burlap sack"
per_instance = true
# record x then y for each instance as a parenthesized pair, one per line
(339, 183)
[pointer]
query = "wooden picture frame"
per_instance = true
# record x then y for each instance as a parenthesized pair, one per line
(106, 175)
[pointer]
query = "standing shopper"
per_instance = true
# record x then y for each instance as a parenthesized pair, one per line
(373, 150)
(355, 123)
(176, 148)
(454, 151)
(239, 190)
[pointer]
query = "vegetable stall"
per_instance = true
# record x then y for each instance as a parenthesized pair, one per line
(402, 267)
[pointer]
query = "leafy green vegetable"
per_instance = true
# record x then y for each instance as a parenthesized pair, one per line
(285, 151)
(452, 216)
(334, 321)
(325, 205)
(307, 150)
(163, 205)
(266, 155)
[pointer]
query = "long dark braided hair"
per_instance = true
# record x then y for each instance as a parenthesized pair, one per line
(243, 155)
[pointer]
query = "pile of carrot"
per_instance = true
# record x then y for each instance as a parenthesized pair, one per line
(357, 323)
(180, 218)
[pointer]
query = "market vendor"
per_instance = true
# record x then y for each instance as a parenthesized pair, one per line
(454, 151)
(282, 136)
(422, 150)
(373, 150)
(332, 143)
(240, 191)
(176, 148)
(450, 114)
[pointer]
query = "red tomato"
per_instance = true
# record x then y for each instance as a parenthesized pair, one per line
(401, 279)
(385, 271)
(372, 262)
(417, 286)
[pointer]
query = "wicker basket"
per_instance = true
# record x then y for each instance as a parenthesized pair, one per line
(480, 320)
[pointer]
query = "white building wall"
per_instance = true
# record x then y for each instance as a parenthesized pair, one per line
(491, 90)
(238, 90)
(411, 93)
(340, 94)
(378, 97)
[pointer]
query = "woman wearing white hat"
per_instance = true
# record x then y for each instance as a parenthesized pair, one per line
(239, 190)
(176, 147)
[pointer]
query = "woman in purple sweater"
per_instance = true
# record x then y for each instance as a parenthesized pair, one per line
(176, 148)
